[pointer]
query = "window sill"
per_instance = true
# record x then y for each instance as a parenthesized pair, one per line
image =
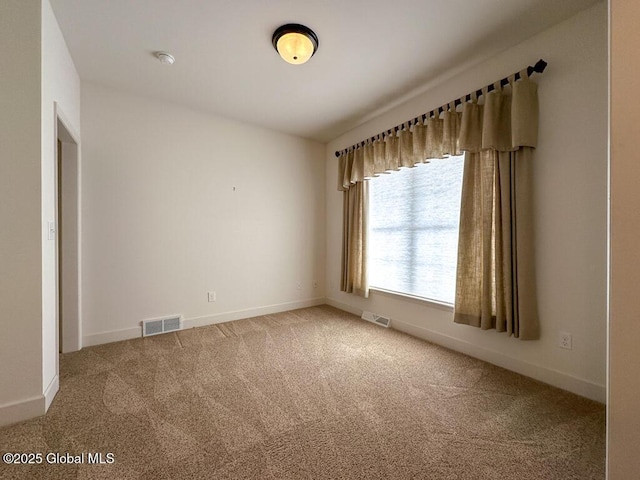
(447, 307)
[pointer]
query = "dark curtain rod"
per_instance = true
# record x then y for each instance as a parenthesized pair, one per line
(537, 68)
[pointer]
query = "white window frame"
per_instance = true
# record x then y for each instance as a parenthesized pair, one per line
(385, 290)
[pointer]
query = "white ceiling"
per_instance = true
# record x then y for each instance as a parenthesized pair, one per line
(371, 51)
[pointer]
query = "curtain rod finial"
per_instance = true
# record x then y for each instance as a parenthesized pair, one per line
(540, 66)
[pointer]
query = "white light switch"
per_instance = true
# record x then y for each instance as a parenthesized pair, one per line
(51, 226)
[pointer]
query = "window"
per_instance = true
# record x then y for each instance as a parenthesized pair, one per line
(413, 237)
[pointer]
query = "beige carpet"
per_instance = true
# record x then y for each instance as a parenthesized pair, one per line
(309, 394)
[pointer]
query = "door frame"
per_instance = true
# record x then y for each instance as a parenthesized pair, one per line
(68, 246)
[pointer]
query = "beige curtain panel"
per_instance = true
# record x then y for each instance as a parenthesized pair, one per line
(354, 240)
(495, 280)
(495, 284)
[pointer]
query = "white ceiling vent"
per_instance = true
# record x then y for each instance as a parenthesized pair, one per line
(156, 326)
(377, 319)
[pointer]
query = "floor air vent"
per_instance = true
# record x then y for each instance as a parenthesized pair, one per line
(157, 326)
(377, 319)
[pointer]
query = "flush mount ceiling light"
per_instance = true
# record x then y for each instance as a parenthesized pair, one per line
(295, 43)
(165, 58)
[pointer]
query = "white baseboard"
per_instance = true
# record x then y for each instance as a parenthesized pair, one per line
(251, 312)
(51, 391)
(344, 306)
(30, 408)
(111, 336)
(24, 410)
(136, 332)
(546, 375)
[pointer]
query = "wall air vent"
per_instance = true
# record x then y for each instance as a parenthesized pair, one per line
(157, 326)
(377, 319)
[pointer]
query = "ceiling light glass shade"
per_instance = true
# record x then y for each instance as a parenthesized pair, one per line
(295, 43)
(295, 48)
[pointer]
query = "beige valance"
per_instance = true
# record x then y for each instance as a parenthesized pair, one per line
(506, 121)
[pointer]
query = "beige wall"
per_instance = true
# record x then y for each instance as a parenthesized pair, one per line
(20, 234)
(177, 203)
(570, 210)
(624, 300)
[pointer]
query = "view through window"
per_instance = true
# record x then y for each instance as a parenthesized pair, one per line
(414, 221)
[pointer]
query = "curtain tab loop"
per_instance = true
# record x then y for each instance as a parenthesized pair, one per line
(524, 74)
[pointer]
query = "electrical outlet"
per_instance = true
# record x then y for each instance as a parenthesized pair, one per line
(315, 284)
(211, 296)
(564, 340)
(299, 286)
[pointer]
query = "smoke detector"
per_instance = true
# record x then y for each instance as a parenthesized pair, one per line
(165, 58)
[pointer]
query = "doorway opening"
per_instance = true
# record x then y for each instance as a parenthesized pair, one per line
(68, 239)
